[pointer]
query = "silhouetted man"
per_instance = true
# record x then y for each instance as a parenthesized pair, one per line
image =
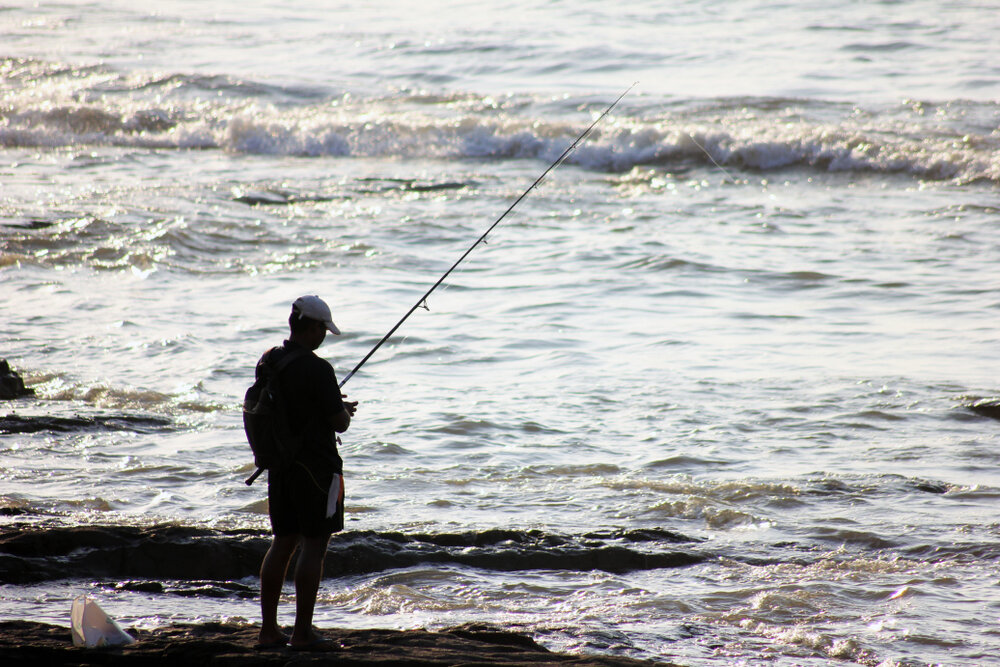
(305, 498)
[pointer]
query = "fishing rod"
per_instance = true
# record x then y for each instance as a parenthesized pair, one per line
(422, 301)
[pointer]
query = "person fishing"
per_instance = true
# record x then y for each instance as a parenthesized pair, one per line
(306, 495)
(306, 499)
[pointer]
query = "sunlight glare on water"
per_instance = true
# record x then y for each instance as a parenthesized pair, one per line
(703, 397)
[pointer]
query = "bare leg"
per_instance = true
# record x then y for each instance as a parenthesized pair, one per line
(308, 573)
(272, 576)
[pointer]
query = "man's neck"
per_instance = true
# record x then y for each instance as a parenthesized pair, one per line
(299, 340)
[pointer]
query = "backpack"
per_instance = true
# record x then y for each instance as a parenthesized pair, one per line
(265, 417)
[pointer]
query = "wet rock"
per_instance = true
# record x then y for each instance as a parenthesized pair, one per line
(36, 424)
(11, 384)
(140, 586)
(987, 407)
(15, 511)
(30, 554)
(269, 198)
(30, 643)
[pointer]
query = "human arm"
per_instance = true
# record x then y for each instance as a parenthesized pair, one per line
(339, 411)
(341, 421)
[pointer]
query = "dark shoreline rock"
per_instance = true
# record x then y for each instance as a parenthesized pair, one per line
(11, 384)
(13, 423)
(36, 553)
(28, 642)
(987, 407)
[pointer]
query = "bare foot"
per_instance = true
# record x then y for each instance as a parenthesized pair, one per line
(273, 638)
(309, 642)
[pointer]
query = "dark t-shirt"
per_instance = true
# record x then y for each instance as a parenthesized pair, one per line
(313, 399)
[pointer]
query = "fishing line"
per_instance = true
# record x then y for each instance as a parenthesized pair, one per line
(709, 156)
(422, 301)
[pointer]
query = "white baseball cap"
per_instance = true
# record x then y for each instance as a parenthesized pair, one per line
(315, 308)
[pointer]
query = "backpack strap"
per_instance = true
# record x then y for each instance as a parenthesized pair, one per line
(285, 360)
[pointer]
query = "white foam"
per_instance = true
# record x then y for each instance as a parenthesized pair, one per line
(56, 111)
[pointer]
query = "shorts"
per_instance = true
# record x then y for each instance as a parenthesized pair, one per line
(299, 500)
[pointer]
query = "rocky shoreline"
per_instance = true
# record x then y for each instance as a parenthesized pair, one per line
(134, 555)
(26, 642)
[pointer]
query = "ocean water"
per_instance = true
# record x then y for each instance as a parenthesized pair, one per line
(703, 396)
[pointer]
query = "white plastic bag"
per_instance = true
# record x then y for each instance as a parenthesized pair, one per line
(91, 627)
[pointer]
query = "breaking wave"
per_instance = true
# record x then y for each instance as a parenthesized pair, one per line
(53, 107)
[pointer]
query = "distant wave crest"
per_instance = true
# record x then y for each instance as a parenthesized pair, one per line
(95, 108)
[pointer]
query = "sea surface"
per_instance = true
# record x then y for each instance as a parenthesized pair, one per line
(702, 397)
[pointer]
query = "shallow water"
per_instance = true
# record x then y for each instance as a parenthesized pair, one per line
(750, 311)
